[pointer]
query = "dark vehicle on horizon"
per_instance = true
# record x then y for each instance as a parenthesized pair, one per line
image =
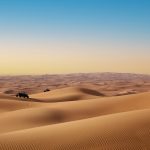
(22, 95)
(46, 90)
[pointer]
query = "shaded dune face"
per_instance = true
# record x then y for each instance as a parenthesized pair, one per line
(91, 92)
(75, 118)
(30, 118)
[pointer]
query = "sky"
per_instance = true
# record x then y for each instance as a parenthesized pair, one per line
(72, 36)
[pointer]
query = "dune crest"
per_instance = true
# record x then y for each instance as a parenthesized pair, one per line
(67, 94)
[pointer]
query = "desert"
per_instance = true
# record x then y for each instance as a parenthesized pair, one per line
(77, 113)
(74, 75)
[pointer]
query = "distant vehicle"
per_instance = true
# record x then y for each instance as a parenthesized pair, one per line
(22, 95)
(47, 90)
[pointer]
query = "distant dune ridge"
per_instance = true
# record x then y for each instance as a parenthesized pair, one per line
(107, 83)
(78, 116)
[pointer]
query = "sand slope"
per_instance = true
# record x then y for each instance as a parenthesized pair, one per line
(44, 114)
(130, 130)
(67, 94)
(11, 103)
(91, 121)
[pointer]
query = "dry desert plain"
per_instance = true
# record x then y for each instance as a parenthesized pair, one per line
(95, 111)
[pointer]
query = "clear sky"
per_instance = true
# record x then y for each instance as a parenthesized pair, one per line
(66, 36)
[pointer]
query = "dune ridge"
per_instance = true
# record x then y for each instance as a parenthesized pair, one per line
(67, 94)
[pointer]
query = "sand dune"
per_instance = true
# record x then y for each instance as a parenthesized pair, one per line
(29, 118)
(11, 103)
(7, 97)
(75, 118)
(44, 114)
(67, 94)
(130, 130)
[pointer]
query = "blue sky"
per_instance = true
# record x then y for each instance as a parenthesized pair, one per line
(77, 15)
(113, 31)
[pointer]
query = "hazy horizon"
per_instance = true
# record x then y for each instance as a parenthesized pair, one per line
(78, 36)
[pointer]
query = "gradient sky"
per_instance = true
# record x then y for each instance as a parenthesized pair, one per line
(66, 36)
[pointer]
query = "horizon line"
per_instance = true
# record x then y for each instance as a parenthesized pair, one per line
(47, 74)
